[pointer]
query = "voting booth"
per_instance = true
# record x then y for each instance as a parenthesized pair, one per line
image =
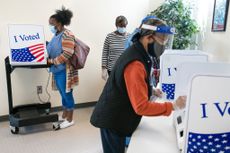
(27, 44)
(169, 67)
(169, 61)
(207, 115)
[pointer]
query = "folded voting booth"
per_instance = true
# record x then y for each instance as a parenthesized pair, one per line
(27, 50)
(169, 66)
(206, 124)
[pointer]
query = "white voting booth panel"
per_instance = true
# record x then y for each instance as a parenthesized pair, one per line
(27, 45)
(205, 127)
(169, 61)
(169, 67)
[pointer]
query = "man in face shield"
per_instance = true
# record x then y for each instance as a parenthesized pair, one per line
(158, 47)
(126, 95)
(160, 33)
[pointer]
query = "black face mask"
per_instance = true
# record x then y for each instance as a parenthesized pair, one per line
(155, 50)
(151, 50)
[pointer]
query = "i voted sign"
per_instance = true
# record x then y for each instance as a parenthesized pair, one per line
(170, 60)
(208, 115)
(27, 44)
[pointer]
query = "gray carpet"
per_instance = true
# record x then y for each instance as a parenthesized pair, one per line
(80, 138)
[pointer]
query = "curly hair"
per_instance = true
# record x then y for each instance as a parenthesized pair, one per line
(63, 16)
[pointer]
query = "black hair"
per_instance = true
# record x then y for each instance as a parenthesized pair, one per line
(63, 16)
(121, 19)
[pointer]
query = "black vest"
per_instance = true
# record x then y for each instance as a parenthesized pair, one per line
(113, 109)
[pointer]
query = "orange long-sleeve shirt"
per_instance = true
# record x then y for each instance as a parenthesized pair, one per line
(135, 75)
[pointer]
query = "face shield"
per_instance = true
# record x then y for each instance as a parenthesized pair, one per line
(158, 50)
(163, 36)
(165, 40)
(159, 29)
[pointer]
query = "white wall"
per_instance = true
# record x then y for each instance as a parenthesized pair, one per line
(91, 22)
(216, 43)
(154, 4)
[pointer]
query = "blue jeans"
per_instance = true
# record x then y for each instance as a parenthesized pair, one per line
(112, 142)
(67, 97)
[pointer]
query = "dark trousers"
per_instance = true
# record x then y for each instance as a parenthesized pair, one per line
(112, 142)
(108, 72)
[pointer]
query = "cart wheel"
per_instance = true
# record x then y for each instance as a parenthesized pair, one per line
(14, 130)
(47, 111)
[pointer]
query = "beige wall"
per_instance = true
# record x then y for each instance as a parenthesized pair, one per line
(91, 22)
(216, 43)
(153, 4)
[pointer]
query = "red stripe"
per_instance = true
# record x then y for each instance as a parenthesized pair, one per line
(36, 48)
(39, 55)
(36, 45)
(40, 59)
(38, 51)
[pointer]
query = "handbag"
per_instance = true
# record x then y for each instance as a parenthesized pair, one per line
(81, 51)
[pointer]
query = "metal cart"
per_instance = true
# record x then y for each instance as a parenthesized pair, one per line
(29, 114)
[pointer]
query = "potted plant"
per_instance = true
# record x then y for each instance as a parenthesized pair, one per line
(176, 14)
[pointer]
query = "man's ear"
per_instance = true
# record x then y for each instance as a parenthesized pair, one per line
(148, 37)
(153, 36)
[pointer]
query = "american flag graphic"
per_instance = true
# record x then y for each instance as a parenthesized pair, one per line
(34, 53)
(169, 89)
(209, 143)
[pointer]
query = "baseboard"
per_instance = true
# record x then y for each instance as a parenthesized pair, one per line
(56, 109)
(77, 106)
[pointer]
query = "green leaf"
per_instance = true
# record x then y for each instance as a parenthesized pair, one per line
(176, 14)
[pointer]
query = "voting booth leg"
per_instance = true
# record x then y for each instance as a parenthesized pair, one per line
(28, 114)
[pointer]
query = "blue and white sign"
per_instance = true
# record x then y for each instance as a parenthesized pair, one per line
(27, 45)
(170, 60)
(207, 127)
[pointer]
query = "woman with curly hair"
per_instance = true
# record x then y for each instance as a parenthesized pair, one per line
(60, 50)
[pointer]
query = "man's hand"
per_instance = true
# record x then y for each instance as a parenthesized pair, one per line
(157, 93)
(180, 103)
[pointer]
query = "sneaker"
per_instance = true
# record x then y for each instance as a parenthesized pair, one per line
(56, 125)
(66, 124)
